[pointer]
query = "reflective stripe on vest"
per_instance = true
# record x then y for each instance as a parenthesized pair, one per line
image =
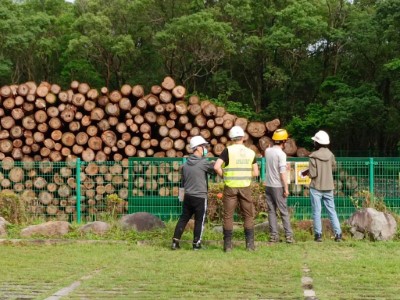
(238, 173)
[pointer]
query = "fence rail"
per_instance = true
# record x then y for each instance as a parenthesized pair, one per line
(79, 191)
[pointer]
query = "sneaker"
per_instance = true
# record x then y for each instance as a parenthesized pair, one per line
(273, 239)
(196, 246)
(338, 237)
(318, 237)
(175, 245)
(289, 239)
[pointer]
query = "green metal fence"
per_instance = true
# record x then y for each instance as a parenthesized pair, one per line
(80, 191)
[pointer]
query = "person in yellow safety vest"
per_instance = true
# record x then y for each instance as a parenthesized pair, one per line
(237, 165)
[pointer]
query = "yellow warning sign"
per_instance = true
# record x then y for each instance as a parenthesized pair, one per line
(299, 168)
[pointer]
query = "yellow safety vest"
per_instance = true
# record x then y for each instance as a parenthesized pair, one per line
(238, 173)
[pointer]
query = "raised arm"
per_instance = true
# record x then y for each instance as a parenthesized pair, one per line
(218, 167)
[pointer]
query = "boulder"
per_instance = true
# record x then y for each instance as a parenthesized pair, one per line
(3, 227)
(264, 227)
(141, 221)
(376, 225)
(96, 227)
(51, 228)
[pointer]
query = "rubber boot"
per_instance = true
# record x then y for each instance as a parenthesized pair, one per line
(228, 240)
(249, 234)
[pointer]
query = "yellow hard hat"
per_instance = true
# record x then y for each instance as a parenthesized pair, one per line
(280, 135)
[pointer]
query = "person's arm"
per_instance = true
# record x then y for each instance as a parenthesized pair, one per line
(285, 184)
(209, 167)
(312, 171)
(256, 170)
(333, 163)
(218, 167)
(283, 174)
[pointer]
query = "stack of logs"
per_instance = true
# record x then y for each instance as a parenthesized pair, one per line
(45, 123)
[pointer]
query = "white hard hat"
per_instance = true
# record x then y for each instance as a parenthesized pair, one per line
(321, 137)
(236, 131)
(197, 141)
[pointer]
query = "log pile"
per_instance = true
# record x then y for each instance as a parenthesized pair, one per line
(41, 125)
(46, 123)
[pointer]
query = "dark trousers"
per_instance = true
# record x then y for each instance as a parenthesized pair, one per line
(192, 206)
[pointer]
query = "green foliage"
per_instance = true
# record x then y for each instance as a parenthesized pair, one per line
(81, 70)
(393, 65)
(303, 129)
(12, 208)
(114, 205)
(215, 204)
(365, 199)
(237, 108)
(193, 46)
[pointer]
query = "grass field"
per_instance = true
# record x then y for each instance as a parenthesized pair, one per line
(126, 270)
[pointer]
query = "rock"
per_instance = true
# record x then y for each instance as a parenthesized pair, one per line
(96, 227)
(3, 227)
(357, 235)
(141, 221)
(307, 282)
(379, 226)
(51, 228)
(264, 227)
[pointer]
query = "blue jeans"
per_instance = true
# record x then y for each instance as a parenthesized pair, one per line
(327, 197)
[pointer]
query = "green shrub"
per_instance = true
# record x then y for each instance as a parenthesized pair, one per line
(114, 205)
(12, 208)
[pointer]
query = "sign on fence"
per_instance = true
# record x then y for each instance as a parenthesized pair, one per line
(300, 179)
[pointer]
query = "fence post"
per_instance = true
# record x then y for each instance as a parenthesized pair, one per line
(130, 184)
(371, 176)
(78, 190)
(262, 173)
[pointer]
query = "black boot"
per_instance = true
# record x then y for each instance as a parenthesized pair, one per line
(318, 237)
(175, 244)
(228, 240)
(338, 237)
(249, 234)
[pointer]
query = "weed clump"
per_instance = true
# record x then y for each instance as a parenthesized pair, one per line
(12, 208)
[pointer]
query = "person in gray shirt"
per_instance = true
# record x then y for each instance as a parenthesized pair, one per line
(322, 162)
(194, 182)
(277, 187)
